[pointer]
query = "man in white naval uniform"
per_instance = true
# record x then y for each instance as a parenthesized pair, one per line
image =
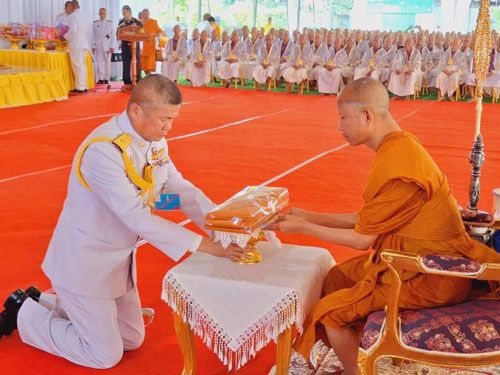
(91, 256)
(103, 45)
(62, 19)
(77, 36)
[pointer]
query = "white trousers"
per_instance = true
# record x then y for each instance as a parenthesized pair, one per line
(447, 85)
(78, 57)
(361, 72)
(261, 75)
(402, 84)
(170, 69)
(329, 81)
(281, 69)
(200, 76)
(293, 75)
(103, 63)
(91, 332)
(227, 70)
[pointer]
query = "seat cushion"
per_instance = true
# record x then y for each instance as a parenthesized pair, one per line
(471, 327)
(451, 264)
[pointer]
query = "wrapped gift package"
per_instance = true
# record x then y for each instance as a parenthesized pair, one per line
(248, 210)
(243, 216)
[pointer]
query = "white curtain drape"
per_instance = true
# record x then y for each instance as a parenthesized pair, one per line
(45, 11)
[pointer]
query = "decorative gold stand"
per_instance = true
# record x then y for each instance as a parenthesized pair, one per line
(253, 254)
(40, 44)
(14, 43)
(185, 336)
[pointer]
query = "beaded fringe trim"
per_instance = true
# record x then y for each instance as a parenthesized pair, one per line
(232, 353)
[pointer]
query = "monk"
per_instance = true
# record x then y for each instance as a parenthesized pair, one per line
(408, 207)
(148, 58)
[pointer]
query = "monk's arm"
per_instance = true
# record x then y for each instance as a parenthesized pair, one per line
(345, 237)
(345, 221)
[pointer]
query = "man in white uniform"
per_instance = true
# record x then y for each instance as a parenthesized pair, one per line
(91, 257)
(62, 19)
(77, 36)
(103, 43)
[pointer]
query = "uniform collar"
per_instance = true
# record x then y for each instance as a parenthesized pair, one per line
(125, 125)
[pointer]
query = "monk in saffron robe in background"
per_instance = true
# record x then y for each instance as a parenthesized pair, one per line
(148, 60)
(408, 206)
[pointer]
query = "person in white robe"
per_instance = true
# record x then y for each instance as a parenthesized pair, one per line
(330, 75)
(217, 44)
(200, 60)
(286, 48)
(233, 52)
(352, 59)
(391, 51)
(371, 63)
(268, 59)
(452, 71)
(406, 70)
(318, 58)
(175, 54)
(300, 60)
(434, 53)
(248, 64)
(188, 69)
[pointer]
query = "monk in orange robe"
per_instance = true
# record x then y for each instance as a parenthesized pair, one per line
(148, 60)
(408, 206)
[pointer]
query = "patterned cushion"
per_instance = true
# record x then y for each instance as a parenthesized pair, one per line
(451, 264)
(468, 328)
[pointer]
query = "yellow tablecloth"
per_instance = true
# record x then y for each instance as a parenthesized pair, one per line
(50, 60)
(25, 86)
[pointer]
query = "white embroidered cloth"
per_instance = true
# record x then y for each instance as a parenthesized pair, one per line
(237, 309)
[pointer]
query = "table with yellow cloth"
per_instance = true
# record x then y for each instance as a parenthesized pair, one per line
(50, 60)
(25, 85)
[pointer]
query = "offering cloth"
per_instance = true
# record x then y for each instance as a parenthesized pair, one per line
(238, 309)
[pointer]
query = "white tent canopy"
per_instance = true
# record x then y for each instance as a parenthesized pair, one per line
(45, 12)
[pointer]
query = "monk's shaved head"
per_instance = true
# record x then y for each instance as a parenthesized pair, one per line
(155, 89)
(365, 93)
(364, 113)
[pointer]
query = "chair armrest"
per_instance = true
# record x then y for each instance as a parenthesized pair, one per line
(441, 265)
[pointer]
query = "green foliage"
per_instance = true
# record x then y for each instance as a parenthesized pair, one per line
(341, 6)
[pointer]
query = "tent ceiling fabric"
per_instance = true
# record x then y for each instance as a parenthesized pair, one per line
(46, 11)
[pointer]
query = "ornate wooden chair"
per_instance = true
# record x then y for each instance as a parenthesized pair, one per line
(463, 335)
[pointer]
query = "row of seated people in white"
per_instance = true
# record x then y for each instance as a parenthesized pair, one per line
(404, 70)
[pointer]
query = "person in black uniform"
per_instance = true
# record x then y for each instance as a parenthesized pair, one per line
(128, 20)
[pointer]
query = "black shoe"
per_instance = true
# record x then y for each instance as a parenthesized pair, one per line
(34, 293)
(8, 317)
(106, 81)
(76, 91)
(100, 82)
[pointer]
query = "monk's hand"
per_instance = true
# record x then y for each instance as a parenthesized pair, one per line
(289, 224)
(232, 252)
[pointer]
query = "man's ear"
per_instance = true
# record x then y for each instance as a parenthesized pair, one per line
(368, 115)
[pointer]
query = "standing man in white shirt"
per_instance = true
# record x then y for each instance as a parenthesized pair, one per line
(90, 261)
(103, 45)
(62, 19)
(77, 36)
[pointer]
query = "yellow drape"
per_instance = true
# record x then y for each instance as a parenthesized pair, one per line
(50, 60)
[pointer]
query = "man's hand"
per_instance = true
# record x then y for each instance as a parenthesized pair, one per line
(112, 50)
(232, 252)
(93, 50)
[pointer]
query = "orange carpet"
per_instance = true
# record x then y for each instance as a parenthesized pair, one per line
(261, 136)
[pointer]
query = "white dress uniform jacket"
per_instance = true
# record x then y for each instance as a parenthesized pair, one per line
(92, 249)
(103, 39)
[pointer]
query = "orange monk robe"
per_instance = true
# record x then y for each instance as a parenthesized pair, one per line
(409, 205)
(218, 30)
(148, 61)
